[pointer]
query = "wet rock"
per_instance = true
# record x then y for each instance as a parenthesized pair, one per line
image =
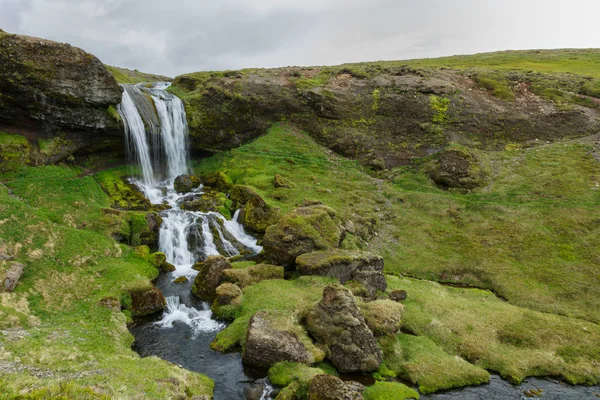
(168, 267)
(10, 277)
(398, 295)
(185, 183)
(157, 259)
(303, 230)
(337, 323)
(457, 167)
(270, 340)
(329, 387)
(146, 301)
(362, 267)
(209, 277)
(181, 280)
(383, 317)
(253, 274)
(211, 200)
(255, 213)
(254, 392)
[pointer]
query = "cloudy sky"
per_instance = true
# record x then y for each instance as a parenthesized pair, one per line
(176, 36)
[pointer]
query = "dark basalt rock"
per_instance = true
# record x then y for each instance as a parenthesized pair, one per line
(60, 94)
(267, 345)
(337, 323)
(209, 277)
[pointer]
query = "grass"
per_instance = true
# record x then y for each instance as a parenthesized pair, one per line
(53, 221)
(491, 334)
(530, 235)
(389, 391)
(419, 360)
(124, 75)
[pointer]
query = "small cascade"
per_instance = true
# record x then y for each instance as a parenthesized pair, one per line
(156, 130)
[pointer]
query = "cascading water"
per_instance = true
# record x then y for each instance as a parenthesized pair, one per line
(156, 130)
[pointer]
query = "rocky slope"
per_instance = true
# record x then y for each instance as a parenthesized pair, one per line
(385, 114)
(59, 97)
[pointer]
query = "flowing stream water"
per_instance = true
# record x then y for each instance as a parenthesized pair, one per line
(156, 134)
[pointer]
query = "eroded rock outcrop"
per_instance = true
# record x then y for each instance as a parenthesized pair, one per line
(209, 277)
(362, 267)
(303, 230)
(337, 323)
(59, 97)
(272, 339)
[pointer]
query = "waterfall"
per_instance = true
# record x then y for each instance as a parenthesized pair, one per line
(157, 141)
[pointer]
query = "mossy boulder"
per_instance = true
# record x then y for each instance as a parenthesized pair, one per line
(146, 301)
(209, 277)
(123, 194)
(218, 180)
(57, 94)
(210, 201)
(255, 213)
(158, 259)
(185, 183)
(180, 280)
(329, 387)
(273, 338)
(390, 391)
(383, 317)
(337, 323)
(253, 274)
(145, 229)
(142, 251)
(228, 301)
(303, 230)
(457, 167)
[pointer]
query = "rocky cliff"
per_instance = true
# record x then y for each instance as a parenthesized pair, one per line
(384, 114)
(59, 97)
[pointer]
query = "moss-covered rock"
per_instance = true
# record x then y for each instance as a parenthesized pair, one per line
(185, 183)
(457, 167)
(218, 180)
(145, 229)
(336, 323)
(271, 339)
(146, 301)
(181, 280)
(303, 230)
(124, 195)
(158, 259)
(57, 95)
(383, 317)
(284, 373)
(209, 201)
(255, 213)
(228, 301)
(390, 391)
(280, 182)
(253, 274)
(14, 151)
(329, 387)
(209, 277)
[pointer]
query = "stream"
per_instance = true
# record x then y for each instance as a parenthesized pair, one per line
(156, 135)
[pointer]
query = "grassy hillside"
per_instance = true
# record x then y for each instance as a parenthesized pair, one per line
(124, 75)
(62, 332)
(531, 234)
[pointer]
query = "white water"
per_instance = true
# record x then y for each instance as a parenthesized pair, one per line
(185, 236)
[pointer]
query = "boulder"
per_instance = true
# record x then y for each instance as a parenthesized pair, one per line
(228, 301)
(457, 167)
(181, 280)
(329, 387)
(270, 339)
(157, 259)
(383, 317)
(10, 277)
(398, 295)
(209, 277)
(337, 323)
(255, 213)
(150, 234)
(146, 301)
(362, 267)
(218, 180)
(253, 274)
(185, 183)
(303, 230)
(210, 200)
(59, 94)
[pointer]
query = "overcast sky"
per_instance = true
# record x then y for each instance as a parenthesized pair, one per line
(176, 36)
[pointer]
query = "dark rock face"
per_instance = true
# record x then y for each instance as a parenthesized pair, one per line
(303, 230)
(329, 387)
(147, 301)
(185, 183)
(267, 345)
(57, 93)
(336, 322)
(362, 267)
(393, 104)
(209, 277)
(457, 169)
(10, 277)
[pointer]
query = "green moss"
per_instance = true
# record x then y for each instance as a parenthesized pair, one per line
(420, 361)
(14, 151)
(592, 88)
(112, 112)
(440, 106)
(284, 373)
(497, 85)
(123, 194)
(389, 391)
(124, 75)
